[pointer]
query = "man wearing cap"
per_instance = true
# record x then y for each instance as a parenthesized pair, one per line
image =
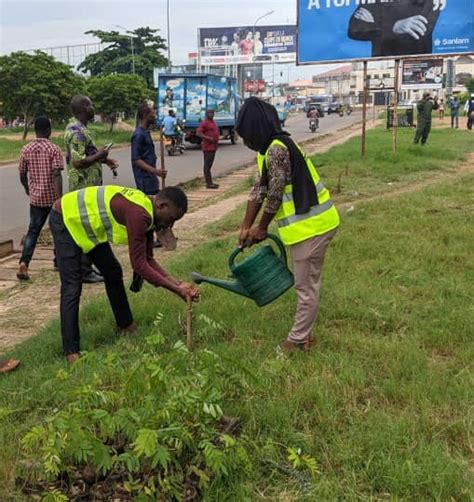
(424, 108)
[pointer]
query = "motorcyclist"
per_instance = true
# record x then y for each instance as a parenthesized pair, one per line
(313, 116)
(169, 124)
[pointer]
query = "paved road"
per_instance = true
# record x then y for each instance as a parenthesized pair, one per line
(14, 203)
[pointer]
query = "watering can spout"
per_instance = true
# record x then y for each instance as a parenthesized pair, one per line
(232, 285)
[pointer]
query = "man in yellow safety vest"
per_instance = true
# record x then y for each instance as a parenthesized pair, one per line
(87, 221)
(299, 203)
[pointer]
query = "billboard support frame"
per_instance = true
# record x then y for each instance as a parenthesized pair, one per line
(395, 105)
(364, 110)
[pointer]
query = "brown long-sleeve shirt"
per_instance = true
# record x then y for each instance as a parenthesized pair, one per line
(279, 175)
(140, 240)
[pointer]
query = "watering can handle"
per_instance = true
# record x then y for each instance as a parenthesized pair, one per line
(274, 238)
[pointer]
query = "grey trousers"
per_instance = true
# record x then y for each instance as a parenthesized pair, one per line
(308, 258)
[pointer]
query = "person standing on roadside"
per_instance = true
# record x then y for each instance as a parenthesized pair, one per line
(300, 204)
(209, 133)
(441, 109)
(84, 162)
(41, 163)
(454, 107)
(144, 155)
(424, 108)
(469, 107)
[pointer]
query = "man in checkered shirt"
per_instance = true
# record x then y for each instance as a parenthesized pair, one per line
(41, 163)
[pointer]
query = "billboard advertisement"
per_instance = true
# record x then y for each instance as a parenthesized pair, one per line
(247, 44)
(191, 96)
(422, 74)
(344, 30)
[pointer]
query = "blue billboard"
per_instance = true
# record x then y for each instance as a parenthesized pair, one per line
(342, 30)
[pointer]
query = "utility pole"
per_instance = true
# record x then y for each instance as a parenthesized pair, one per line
(168, 34)
(254, 29)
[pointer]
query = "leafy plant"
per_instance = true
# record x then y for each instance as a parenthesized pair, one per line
(36, 84)
(143, 421)
(138, 51)
(114, 94)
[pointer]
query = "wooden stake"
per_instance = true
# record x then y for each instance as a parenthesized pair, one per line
(395, 106)
(162, 158)
(364, 110)
(339, 183)
(189, 324)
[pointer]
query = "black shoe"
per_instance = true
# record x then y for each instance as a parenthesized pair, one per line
(92, 278)
(212, 186)
(157, 244)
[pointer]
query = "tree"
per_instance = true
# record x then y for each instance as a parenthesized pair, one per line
(114, 94)
(117, 56)
(470, 85)
(36, 84)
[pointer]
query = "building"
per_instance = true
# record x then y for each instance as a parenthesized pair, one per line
(346, 83)
(335, 82)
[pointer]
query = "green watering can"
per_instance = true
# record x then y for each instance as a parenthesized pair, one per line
(263, 276)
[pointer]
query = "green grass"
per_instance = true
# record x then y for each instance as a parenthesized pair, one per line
(371, 175)
(384, 404)
(10, 149)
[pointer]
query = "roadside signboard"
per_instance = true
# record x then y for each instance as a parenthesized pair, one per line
(247, 44)
(422, 74)
(344, 30)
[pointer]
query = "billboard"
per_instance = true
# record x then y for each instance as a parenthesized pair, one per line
(247, 44)
(422, 74)
(190, 96)
(343, 30)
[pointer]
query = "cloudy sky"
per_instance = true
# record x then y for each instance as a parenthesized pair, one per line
(31, 24)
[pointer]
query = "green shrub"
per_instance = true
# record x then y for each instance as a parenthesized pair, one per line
(143, 421)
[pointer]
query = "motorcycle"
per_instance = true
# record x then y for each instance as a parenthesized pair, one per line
(313, 125)
(175, 144)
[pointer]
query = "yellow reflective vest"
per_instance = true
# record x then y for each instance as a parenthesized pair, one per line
(89, 219)
(294, 228)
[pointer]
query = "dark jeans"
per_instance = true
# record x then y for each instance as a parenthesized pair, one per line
(38, 217)
(69, 256)
(208, 161)
(455, 121)
(470, 120)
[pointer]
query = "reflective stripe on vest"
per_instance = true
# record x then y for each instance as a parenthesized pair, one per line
(288, 196)
(294, 228)
(314, 211)
(103, 213)
(89, 219)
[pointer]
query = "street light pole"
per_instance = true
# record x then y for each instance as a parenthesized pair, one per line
(168, 33)
(254, 27)
(127, 31)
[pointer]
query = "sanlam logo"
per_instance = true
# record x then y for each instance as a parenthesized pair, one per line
(451, 41)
